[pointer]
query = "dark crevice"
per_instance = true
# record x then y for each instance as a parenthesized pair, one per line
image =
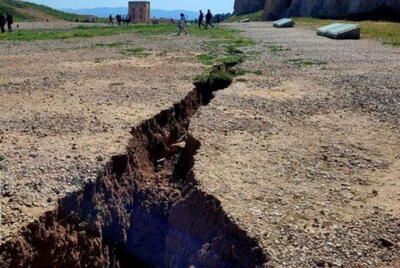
(145, 210)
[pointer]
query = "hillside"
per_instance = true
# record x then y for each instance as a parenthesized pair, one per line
(25, 11)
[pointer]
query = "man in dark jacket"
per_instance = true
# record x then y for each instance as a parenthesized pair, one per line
(10, 21)
(201, 19)
(2, 23)
(208, 19)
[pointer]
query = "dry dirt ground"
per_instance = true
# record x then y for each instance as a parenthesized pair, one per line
(67, 106)
(53, 25)
(306, 157)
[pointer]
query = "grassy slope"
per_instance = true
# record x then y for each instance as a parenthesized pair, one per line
(25, 11)
(387, 32)
(256, 16)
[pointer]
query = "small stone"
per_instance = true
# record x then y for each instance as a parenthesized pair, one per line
(386, 242)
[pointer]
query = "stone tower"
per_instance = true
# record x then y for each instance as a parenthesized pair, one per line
(139, 11)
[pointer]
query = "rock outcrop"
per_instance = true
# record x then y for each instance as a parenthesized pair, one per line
(275, 9)
(248, 6)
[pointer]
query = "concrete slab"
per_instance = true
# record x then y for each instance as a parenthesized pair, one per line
(346, 31)
(323, 30)
(284, 23)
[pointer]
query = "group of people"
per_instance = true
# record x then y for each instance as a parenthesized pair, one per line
(120, 19)
(209, 17)
(182, 22)
(6, 20)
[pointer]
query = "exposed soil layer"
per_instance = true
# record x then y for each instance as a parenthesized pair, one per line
(144, 210)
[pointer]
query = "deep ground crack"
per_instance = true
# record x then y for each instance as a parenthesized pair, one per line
(145, 210)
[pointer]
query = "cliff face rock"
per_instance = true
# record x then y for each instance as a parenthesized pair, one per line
(275, 9)
(248, 6)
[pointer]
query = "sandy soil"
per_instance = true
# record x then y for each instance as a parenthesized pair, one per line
(306, 157)
(67, 106)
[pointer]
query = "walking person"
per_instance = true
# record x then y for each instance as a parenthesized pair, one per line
(111, 19)
(118, 19)
(10, 21)
(2, 23)
(182, 25)
(201, 19)
(209, 17)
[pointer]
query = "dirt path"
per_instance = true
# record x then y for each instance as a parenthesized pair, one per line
(306, 156)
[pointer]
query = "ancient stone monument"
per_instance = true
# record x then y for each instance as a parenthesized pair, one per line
(139, 11)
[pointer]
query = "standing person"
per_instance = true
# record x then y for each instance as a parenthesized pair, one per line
(2, 23)
(182, 25)
(118, 18)
(111, 19)
(209, 17)
(10, 21)
(201, 19)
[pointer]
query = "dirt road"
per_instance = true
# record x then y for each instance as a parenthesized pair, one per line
(306, 157)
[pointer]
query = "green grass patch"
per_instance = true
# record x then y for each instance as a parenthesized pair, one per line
(232, 59)
(304, 62)
(255, 16)
(114, 84)
(135, 52)
(87, 32)
(211, 78)
(207, 59)
(225, 47)
(241, 71)
(386, 32)
(112, 45)
(277, 49)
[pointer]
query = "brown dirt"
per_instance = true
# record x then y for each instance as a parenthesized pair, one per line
(297, 167)
(305, 157)
(145, 209)
(67, 106)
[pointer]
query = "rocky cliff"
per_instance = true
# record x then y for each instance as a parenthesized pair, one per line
(275, 9)
(248, 6)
